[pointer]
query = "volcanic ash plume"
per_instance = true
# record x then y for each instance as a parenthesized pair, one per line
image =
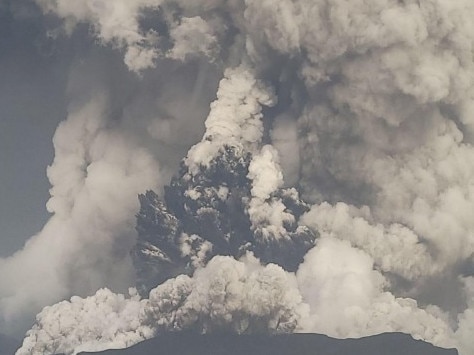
(225, 295)
(338, 146)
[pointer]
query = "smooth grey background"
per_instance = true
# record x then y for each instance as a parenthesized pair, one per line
(32, 102)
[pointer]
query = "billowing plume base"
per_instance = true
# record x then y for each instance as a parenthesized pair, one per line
(225, 296)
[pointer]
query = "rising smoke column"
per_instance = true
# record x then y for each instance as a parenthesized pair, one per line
(228, 198)
(377, 98)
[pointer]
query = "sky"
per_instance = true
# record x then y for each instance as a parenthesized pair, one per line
(358, 111)
(33, 103)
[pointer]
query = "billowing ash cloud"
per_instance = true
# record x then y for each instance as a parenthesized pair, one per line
(225, 295)
(91, 163)
(361, 109)
(228, 198)
(117, 140)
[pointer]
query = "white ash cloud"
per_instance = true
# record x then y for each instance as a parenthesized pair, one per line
(96, 176)
(107, 150)
(466, 319)
(193, 36)
(378, 106)
(335, 292)
(235, 118)
(226, 294)
(266, 213)
(394, 247)
(114, 316)
(348, 298)
(114, 22)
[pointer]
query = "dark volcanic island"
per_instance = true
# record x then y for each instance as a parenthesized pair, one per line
(295, 344)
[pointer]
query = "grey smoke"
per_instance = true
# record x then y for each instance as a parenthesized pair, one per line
(363, 106)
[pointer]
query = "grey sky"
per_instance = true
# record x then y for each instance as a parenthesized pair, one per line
(32, 83)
